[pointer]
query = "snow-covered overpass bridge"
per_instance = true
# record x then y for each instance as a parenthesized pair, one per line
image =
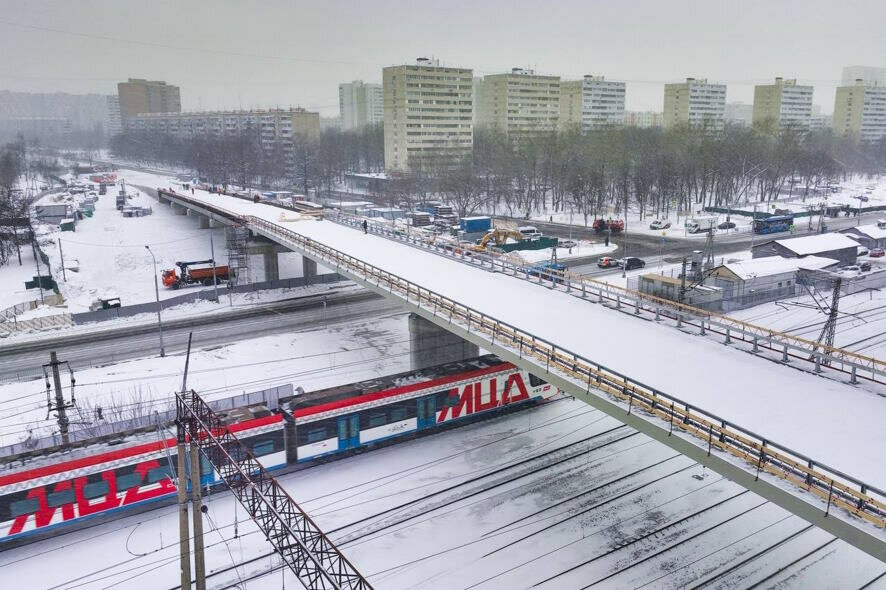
(811, 445)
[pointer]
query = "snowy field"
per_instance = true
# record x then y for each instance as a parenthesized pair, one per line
(797, 409)
(312, 359)
(558, 497)
(13, 277)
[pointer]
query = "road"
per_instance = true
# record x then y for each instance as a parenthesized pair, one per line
(216, 329)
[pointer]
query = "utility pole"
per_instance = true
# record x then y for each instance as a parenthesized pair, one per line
(62, 255)
(60, 405)
(37, 260)
(184, 533)
(197, 510)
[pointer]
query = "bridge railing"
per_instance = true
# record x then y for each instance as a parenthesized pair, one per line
(762, 454)
(852, 363)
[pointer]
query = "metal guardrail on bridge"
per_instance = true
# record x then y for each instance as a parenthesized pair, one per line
(764, 456)
(733, 330)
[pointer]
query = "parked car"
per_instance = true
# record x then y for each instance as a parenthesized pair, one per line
(726, 225)
(862, 251)
(863, 198)
(865, 266)
(631, 262)
(877, 253)
(851, 269)
(606, 262)
(660, 224)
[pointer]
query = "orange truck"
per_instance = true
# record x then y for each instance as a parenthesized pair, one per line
(194, 276)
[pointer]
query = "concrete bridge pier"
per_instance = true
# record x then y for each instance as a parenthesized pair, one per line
(308, 267)
(213, 223)
(431, 345)
(178, 209)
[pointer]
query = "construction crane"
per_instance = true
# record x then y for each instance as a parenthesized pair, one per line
(811, 280)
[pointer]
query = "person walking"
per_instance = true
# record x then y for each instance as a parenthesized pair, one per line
(365, 227)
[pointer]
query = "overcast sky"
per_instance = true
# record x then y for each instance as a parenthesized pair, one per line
(265, 53)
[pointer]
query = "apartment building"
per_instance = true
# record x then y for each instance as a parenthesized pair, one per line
(360, 104)
(275, 127)
(592, 102)
(739, 113)
(869, 75)
(137, 96)
(783, 104)
(428, 111)
(694, 102)
(519, 102)
(860, 111)
(113, 123)
(642, 119)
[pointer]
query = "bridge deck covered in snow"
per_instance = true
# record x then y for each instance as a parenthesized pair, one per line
(833, 423)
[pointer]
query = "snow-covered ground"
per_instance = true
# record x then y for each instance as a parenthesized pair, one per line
(13, 277)
(106, 257)
(802, 411)
(558, 497)
(582, 249)
(313, 359)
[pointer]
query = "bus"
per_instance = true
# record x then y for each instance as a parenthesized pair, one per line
(774, 224)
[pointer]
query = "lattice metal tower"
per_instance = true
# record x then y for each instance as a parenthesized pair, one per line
(236, 240)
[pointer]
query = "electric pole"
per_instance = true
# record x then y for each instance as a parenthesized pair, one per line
(60, 405)
(197, 510)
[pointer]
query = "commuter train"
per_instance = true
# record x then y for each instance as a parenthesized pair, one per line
(66, 489)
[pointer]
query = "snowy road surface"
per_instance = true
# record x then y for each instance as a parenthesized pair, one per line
(834, 423)
(561, 496)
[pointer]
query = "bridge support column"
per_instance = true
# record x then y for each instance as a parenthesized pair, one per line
(308, 267)
(213, 223)
(203, 221)
(178, 209)
(431, 345)
(272, 266)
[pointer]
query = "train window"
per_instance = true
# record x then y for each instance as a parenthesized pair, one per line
(95, 490)
(263, 448)
(158, 473)
(398, 414)
(56, 499)
(535, 381)
(316, 435)
(377, 420)
(130, 480)
(23, 507)
(453, 399)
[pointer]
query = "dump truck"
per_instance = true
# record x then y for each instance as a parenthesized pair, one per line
(193, 276)
(613, 225)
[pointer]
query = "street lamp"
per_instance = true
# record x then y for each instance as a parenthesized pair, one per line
(157, 293)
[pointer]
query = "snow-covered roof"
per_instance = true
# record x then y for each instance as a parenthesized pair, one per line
(776, 265)
(870, 230)
(817, 243)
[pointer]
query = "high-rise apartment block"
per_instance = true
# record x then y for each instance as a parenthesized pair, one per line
(860, 111)
(739, 113)
(783, 104)
(642, 119)
(360, 104)
(147, 96)
(592, 102)
(519, 103)
(694, 102)
(113, 123)
(427, 112)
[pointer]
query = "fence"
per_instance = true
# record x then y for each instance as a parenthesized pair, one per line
(103, 315)
(61, 320)
(762, 454)
(147, 421)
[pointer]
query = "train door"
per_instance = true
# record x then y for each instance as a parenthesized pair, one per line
(427, 411)
(348, 432)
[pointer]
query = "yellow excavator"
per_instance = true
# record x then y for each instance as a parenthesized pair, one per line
(499, 236)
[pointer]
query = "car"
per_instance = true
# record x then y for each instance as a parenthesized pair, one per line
(865, 266)
(862, 251)
(529, 231)
(726, 225)
(877, 253)
(631, 262)
(660, 224)
(863, 198)
(852, 268)
(606, 262)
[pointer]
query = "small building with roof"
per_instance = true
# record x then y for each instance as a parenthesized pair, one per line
(837, 246)
(870, 236)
